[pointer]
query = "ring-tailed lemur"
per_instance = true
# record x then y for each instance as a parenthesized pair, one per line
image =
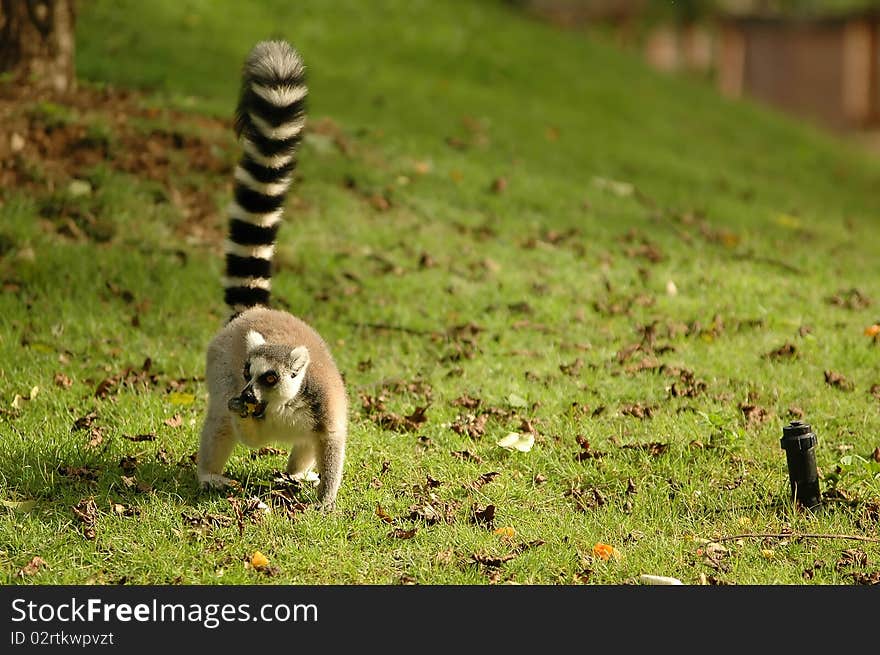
(270, 376)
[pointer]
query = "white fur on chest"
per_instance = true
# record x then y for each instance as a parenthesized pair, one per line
(286, 426)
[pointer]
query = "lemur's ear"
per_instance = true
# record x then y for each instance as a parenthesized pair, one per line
(253, 339)
(299, 359)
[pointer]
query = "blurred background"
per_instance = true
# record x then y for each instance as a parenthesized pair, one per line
(815, 59)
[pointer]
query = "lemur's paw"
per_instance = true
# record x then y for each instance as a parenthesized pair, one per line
(307, 478)
(326, 506)
(215, 481)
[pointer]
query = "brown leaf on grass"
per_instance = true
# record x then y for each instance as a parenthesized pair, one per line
(785, 351)
(403, 533)
(852, 557)
(646, 250)
(63, 381)
(499, 184)
(838, 381)
(638, 410)
(445, 556)
(539, 479)
(86, 510)
(492, 561)
(84, 422)
(653, 448)
(795, 412)
(128, 463)
(586, 452)
(431, 483)
(32, 567)
(687, 385)
(467, 402)
(483, 480)
(140, 437)
(131, 482)
(464, 331)
(416, 419)
(754, 415)
(467, 456)
(372, 404)
(849, 299)
(875, 391)
(174, 422)
(431, 509)
(586, 499)
(647, 363)
(247, 510)
(470, 425)
(872, 578)
(572, 369)
(124, 510)
(810, 571)
(96, 437)
(82, 473)
(483, 516)
(130, 377)
(383, 515)
(583, 577)
(713, 555)
(206, 520)
(286, 499)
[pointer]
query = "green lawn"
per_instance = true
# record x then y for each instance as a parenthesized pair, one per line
(521, 229)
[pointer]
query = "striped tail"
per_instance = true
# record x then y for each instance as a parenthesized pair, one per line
(269, 122)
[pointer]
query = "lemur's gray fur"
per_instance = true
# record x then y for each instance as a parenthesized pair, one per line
(270, 376)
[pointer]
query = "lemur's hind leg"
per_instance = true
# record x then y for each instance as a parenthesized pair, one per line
(215, 447)
(331, 456)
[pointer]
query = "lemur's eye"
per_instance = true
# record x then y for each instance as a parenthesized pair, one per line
(269, 378)
(247, 372)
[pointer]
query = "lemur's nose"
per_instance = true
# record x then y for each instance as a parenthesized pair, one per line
(248, 395)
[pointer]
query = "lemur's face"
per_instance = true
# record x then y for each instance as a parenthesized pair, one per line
(273, 376)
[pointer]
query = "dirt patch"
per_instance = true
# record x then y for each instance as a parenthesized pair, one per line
(48, 140)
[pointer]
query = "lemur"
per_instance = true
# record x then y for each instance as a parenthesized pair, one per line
(270, 376)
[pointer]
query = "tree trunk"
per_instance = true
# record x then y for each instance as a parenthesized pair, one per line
(37, 42)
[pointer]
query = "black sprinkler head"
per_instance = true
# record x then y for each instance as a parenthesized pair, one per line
(799, 442)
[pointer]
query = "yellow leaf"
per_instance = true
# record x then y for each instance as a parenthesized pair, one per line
(606, 551)
(872, 330)
(787, 220)
(181, 398)
(767, 553)
(506, 532)
(258, 560)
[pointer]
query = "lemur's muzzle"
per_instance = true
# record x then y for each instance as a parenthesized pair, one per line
(246, 404)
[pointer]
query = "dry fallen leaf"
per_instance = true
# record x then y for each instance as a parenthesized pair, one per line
(515, 441)
(646, 578)
(32, 567)
(872, 330)
(507, 532)
(382, 514)
(605, 551)
(258, 560)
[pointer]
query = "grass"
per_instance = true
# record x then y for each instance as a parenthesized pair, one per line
(590, 249)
